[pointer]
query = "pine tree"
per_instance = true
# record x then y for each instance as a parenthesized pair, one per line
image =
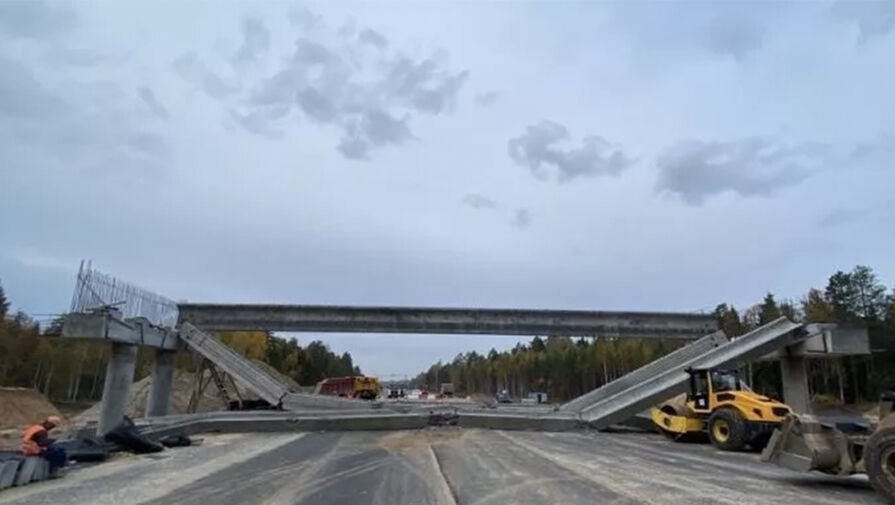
(4, 304)
(768, 310)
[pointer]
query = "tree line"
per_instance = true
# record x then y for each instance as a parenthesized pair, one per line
(69, 371)
(565, 367)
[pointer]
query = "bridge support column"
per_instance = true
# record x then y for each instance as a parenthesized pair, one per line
(119, 376)
(794, 371)
(160, 385)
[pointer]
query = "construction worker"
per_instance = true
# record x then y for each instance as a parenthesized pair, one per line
(36, 441)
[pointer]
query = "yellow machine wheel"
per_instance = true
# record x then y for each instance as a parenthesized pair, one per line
(727, 430)
(721, 431)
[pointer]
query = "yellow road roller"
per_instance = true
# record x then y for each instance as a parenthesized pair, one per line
(722, 407)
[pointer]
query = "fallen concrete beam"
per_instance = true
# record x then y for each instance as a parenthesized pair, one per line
(668, 362)
(292, 422)
(302, 401)
(110, 326)
(638, 397)
(497, 420)
(322, 318)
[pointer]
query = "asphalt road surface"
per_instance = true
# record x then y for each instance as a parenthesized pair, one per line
(441, 466)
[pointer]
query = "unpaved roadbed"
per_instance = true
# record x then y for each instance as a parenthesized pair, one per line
(442, 466)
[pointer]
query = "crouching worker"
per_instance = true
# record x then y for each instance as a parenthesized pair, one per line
(36, 441)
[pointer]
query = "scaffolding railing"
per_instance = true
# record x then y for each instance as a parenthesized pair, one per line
(95, 289)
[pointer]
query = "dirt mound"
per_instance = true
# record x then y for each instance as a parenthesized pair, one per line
(181, 390)
(20, 407)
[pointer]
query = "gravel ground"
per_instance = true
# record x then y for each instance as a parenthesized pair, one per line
(442, 466)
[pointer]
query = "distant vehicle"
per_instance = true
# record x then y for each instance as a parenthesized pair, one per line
(396, 393)
(503, 396)
(535, 397)
(447, 389)
(364, 388)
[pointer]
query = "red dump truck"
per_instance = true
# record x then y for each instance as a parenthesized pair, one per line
(365, 388)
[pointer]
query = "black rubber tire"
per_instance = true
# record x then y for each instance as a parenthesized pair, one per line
(759, 442)
(880, 458)
(736, 430)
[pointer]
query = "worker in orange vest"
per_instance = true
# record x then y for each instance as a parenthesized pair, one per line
(36, 441)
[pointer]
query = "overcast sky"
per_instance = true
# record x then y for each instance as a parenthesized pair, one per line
(629, 155)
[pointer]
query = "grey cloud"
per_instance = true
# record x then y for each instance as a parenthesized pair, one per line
(477, 201)
(521, 219)
(873, 18)
(736, 37)
(155, 107)
(697, 170)
(63, 55)
(255, 41)
(486, 99)
(426, 86)
(196, 72)
(304, 18)
(370, 97)
(277, 89)
(538, 148)
(307, 51)
(262, 120)
(884, 143)
(316, 105)
(841, 217)
(145, 143)
(381, 128)
(78, 125)
(375, 128)
(22, 95)
(34, 18)
(373, 38)
(354, 148)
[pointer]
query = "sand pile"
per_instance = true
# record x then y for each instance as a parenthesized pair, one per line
(20, 407)
(181, 390)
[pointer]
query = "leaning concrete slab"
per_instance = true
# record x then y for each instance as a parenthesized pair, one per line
(242, 369)
(318, 318)
(272, 390)
(638, 397)
(497, 420)
(668, 362)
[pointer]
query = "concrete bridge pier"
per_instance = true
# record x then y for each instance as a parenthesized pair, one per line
(119, 376)
(794, 372)
(160, 385)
